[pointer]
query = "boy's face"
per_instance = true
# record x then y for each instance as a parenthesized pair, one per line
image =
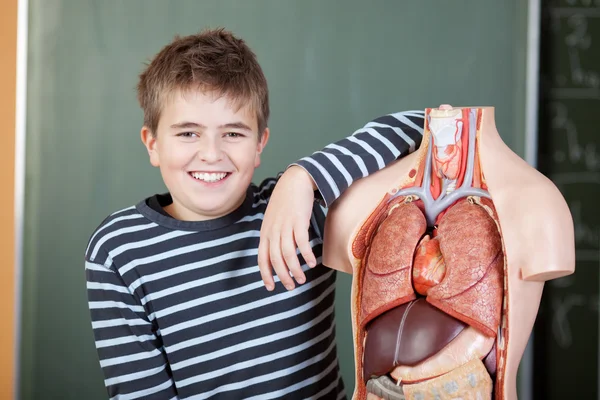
(207, 153)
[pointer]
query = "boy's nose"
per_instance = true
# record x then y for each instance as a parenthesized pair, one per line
(210, 151)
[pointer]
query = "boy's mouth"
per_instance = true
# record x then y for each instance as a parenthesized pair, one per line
(209, 177)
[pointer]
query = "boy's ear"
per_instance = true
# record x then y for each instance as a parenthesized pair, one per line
(149, 141)
(261, 146)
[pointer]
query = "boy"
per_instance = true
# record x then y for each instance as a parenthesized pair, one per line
(177, 303)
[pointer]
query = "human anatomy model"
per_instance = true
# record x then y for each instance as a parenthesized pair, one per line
(449, 248)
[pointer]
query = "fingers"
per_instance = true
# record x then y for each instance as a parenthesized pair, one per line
(303, 243)
(288, 250)
(279, 264)
(278, 253)
(264, 264)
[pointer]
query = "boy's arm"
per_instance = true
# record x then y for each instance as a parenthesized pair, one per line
(371, 148)
(330, 172)
(131, 354)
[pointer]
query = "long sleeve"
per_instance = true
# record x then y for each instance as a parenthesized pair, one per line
(369, 149)
(130, 352)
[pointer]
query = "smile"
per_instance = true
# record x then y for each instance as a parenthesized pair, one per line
(209, 177)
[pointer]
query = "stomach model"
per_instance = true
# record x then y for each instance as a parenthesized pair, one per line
(432, 288)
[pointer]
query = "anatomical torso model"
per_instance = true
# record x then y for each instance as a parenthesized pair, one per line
(449, 249)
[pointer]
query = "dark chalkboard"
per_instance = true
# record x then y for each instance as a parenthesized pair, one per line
(566, 348)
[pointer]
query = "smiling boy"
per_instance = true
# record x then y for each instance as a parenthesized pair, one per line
(207, 153)
(177, 303)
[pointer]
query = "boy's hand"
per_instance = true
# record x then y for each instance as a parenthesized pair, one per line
(285, 228)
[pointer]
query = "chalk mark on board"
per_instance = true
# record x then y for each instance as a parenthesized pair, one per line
(560, 321)
(575, 152)
(577, 40)
(580, 40)
(584, 234)
(579, 37)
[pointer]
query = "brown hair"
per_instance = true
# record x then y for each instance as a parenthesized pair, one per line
(213, 60)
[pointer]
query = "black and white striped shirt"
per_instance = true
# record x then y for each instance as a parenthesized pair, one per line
(179, 310)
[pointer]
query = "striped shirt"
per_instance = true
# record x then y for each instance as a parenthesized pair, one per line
(179, 310)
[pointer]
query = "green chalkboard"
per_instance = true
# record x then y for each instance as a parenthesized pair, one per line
(331, 66)
(566, 333)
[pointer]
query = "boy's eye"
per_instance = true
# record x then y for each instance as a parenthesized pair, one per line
(233, 134)
(187, 134)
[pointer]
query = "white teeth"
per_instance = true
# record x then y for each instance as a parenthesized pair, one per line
(209, 177)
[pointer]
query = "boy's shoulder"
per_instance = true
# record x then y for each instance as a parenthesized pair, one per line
(104, 237)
